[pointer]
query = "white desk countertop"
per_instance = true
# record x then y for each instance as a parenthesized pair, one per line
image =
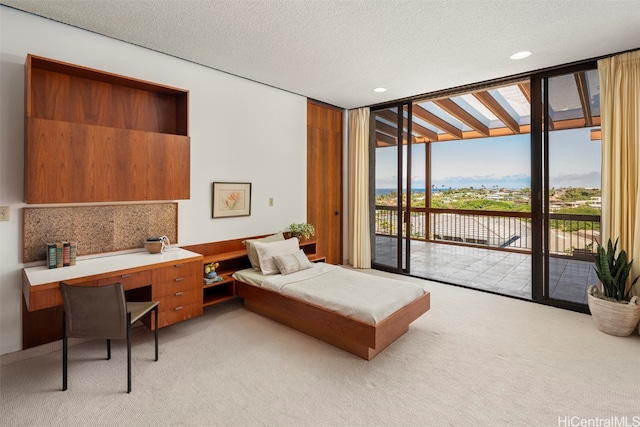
(90, 267)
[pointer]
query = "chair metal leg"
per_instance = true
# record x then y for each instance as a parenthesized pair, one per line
(129, 352)
(108, 349)
(156, 330)
(64, 353)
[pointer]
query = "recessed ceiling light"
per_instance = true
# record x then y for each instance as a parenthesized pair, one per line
(380, 89)
(521, 55)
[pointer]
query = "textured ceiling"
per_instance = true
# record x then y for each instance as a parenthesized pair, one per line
(338, 51)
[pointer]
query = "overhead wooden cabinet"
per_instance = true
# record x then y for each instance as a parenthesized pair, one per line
(98, 137)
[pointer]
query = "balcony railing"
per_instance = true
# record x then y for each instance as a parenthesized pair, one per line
(569, 235)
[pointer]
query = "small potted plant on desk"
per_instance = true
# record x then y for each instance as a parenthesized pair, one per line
(612, 308)
(301, 230)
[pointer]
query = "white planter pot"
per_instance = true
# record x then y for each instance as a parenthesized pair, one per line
(612, 317)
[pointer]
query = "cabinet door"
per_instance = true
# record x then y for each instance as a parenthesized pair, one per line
(118, 166)
(70, 163)
(73, 163)
(53, 168)
(168, 167)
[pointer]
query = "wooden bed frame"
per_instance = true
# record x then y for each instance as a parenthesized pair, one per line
(356, 337)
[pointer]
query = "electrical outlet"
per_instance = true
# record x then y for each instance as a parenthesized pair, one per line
(4, 213)
(270, 201)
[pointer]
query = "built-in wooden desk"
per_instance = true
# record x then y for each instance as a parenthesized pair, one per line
(174, 278)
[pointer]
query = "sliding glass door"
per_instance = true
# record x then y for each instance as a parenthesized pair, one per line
(391, 157)
(570, 161)
(496, 188)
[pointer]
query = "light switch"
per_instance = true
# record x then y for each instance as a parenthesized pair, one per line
(270, 201)
(4, 213)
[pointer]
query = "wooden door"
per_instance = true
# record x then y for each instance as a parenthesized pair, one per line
(324, 178)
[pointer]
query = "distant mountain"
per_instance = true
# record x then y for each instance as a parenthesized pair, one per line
(510, 181)
(587, 180)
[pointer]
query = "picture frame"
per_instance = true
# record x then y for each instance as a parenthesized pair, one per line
(231, 199)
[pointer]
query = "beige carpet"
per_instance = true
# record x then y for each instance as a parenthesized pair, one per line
(474, 359)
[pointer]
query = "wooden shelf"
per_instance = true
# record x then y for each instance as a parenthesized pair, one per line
(224, 256)
(216, 300)
(218, 292)
(226, 279)
(75, 94)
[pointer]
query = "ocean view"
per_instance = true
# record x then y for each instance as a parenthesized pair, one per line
(385, 191)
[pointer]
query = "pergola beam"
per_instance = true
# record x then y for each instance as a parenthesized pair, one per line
(384, 140)
(525, 88)
(494, 106)
(459, 113)
(424, 132)
(436, 121)
(386, 129)
(417, 129)
(583, 93)
(447, 131)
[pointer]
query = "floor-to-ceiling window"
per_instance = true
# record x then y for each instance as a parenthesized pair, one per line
(392, 165)
(481, 182)
(570, 149)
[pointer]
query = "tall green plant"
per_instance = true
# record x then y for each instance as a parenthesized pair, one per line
(613, 272)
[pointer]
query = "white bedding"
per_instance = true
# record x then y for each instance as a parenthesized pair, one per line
(356, 295)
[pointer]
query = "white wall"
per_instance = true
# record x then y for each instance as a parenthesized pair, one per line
(240, 131)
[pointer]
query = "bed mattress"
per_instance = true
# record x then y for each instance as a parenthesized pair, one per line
(353, 294)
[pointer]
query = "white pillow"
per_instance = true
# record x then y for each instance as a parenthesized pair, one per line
(251, 251)
(291, 263)
(266, 252)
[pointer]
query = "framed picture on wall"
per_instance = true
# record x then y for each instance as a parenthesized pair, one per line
(231, 199)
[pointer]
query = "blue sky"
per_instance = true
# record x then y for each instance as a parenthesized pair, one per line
(505, 161)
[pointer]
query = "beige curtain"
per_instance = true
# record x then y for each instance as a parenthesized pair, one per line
(620, 122)
(359, 238)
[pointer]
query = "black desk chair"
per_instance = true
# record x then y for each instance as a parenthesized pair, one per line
(101, 312)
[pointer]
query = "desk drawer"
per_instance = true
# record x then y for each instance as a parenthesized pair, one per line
(178, 314)
(179, 284)
(178, 298)
(128, 280)
(176, 271)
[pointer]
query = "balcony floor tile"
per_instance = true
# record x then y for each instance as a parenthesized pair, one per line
(502, 272)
